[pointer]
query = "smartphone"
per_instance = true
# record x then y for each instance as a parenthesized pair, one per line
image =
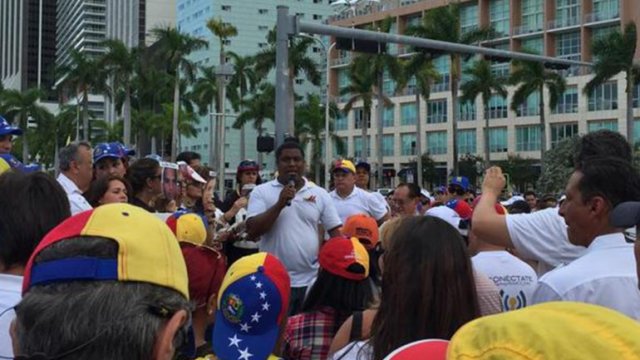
(246, 189)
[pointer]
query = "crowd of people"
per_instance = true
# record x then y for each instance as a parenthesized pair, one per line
(125, 257)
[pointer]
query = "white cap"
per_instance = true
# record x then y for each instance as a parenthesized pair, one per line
(447, 214)
(512, 200)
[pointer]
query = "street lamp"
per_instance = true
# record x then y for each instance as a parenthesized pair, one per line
(223, 72)
(327, 118)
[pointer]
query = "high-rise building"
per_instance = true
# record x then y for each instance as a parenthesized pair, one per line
(253, 19)
(27, 44)
(556, 28)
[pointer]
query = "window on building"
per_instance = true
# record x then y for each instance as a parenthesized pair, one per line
(467, 141)
(563, 131)
(532, 15)
(388, 145)
(345, 149)
(408, 142)
(388, 116)
(606, 9)
(636, 96)
(636, 130)
(497, 108)
(317, 1)
(263, 11)
(437, 142)
(342, 122)
(498, 139)
(530, 107)
(299, 81)
(528, 138)
(467, 110)
(437, 111)
(441, 64)
(226, 7)
(535, 45)
(358, 116)
(408, 113)
(603, 32)
(568, 102)
(468, 18)
(357, 147)
(317, 17)
(499, 16)
(567, 12)
(388, 85)
(604, 97)
(568, 47)
(595, 125)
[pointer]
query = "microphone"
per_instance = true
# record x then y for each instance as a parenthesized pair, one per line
(291, 182)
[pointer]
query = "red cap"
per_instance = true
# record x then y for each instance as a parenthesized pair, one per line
(433, 349)
(461, 207)
(363, 227)
(345, 257)
(205, 268)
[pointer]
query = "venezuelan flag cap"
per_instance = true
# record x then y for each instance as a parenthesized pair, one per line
(432, 349)
(252, 302)
(9, 162)
(147, 251)
(188, 227)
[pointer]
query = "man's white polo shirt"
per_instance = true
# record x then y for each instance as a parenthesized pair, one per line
(293, 238)
(76, 200)
(358, 202)
(605, 275)
(542, 236)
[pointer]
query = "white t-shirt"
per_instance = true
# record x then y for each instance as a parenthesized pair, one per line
(358, 202)
(10, 295)
(360, 350)
(516, 280)
(293, 238)
(76, 200)
(542, 236)
(605, 275)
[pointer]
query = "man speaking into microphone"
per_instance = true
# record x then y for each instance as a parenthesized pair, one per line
(286, 213)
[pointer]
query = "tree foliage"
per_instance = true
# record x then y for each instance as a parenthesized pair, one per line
(557, 165)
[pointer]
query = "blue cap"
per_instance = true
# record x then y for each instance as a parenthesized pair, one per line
(125, 150)
(8, 161)
(107, 150)
(8, 129)
(461, 181)
(247, 320)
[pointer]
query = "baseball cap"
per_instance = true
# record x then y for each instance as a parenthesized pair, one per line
(107, 150)
(445, 213)
(147, 250)
(461, 181)
(8, 129)
(125, 150)
(362, 227)
(626, 214)
(364, 165)
(432, 349)
(345, 257)
(552, 330)
(206, 268)
(461, 207)
(9, 162)
(188, 227)
(253, 300)
(248, 165)
(344, 165)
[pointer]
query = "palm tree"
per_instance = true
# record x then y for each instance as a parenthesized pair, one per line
(107, 131)
(443, 23)
(310, 124)
(360, 88)
(533, 77)
(421, 67)
(174, 48)
(614, 54)
(242, 82)
(223, 31)
(21, 106)
(119, 62)
(299, 62)
(258, 108)
(483, 82)
(82, 76)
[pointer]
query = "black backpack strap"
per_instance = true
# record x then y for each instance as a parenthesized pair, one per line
(356, 327)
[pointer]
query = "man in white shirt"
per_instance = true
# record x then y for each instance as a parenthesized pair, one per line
(515, 278)
(541, 236)
(285, 213)
(606, 274)
(350, 199)
(76, 172)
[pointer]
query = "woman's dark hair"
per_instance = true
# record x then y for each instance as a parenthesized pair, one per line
(100, 186)
(428, 289)
(139, 172)
(205, 172)
(343, 295)
(31, 205)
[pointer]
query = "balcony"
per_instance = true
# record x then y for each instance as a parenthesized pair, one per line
(602, 17)
(340, 61)
(524, 30)
(566, 108)
(563, 23)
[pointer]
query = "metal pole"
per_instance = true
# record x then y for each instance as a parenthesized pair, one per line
(282, 75)
(221, 165)
(212, 140)
(327, 118)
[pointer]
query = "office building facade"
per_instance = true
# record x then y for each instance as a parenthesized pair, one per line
(556, 28)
